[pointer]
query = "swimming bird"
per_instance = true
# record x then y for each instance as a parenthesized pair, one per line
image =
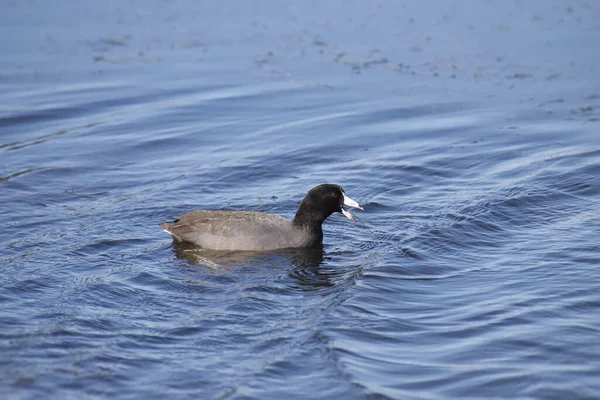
(249, 230)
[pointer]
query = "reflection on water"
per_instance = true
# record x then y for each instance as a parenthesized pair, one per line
(221, 260)
(305, 265)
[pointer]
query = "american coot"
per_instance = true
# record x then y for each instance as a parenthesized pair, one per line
(248, 230)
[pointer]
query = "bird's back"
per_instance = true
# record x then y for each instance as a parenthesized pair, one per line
(236, 230)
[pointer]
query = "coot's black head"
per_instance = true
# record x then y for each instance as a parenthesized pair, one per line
(322, 201)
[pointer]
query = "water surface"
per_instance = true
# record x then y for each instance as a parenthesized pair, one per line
(469, 132)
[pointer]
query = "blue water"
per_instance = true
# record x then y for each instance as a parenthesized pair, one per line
(469, 132)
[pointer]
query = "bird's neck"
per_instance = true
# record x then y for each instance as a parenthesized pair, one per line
(309, 221)
(307, 216)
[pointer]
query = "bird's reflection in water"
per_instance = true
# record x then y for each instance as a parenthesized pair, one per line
(304, 265)
(218, 260)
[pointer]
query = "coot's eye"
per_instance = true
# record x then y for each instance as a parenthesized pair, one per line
(335, 195)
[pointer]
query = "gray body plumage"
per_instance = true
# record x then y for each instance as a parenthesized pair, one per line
(238, 230)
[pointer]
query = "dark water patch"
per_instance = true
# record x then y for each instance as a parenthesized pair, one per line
(16, 174)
